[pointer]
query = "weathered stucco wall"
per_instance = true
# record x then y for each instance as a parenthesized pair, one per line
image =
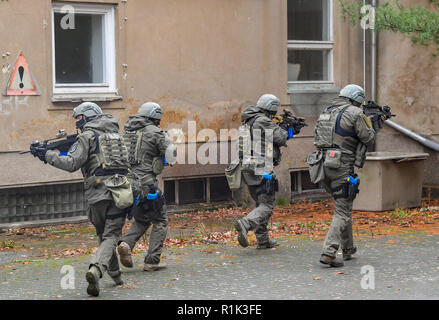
(408, 81)
(203, 61)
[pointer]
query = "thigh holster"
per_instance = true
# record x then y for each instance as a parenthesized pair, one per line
(349, 189)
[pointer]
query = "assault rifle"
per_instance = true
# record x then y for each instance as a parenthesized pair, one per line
(61, 142)
(377, 113)
(289, 122)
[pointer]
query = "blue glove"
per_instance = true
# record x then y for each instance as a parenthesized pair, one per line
(267, 176)
(136, 201)
(63, 154)
(152, 196)
(353, 181)
(165, 163)
(290, 133)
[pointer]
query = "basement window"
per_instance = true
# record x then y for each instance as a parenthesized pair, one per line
(192, 191)
(169, 191)
(83, 37)
(208, 189)
(219, 189)
(301, 183)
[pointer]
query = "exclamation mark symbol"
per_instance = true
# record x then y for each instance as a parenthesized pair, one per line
(21, 71)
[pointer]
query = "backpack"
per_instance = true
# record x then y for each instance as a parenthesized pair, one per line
(251, 150)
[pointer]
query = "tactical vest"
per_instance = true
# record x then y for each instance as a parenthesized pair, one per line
(330, 134)
(111, 154)
(110, 158)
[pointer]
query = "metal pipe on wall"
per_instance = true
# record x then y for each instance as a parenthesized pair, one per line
(373, 58)
(428, 143)
(364, 58)
(373, 75)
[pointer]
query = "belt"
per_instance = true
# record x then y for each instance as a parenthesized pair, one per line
(100, 172)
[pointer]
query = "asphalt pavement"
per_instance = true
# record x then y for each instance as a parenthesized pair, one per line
(385, 268)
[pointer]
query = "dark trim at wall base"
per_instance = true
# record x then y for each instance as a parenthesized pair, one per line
(45, 202)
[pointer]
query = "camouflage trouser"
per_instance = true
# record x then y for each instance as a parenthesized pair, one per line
(143, 219)
(258, 218)
(108, 221)
(340, 232)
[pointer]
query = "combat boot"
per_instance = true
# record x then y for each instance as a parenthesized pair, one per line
(332, 261)
(242, 233)
(92, 276)
(117, 277)
(347, 254)
(154, 267)
(268, 245)
(124, 251)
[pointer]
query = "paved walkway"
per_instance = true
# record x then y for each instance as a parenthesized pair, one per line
(404, 267)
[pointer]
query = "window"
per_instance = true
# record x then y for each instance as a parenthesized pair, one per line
(83, 52)
(219, 189)
(169, 191)
(192, 191)
(310, 43)
(301, 183)
(188, 191)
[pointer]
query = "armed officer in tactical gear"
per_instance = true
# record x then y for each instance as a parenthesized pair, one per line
(150, 148)
(342, 135)
(87, 154)
(262, 185)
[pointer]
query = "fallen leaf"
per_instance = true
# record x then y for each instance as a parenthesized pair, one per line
(175, 279)
(317, 278)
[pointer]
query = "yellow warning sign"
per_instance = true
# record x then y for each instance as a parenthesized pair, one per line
(21, 81)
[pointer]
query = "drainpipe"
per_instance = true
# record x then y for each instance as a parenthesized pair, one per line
(428, 143)
(364, 58)
(373, 58)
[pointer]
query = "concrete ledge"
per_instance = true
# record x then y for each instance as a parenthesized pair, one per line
(43, 223)
(312, 197)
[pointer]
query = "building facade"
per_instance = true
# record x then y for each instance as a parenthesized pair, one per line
(203, 62)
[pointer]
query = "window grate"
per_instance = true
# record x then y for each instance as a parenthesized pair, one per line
(41, 202)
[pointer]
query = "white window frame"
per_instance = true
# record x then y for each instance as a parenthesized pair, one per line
(106, 91)
(327, 45)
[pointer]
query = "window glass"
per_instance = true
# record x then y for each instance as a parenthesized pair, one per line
(307, 20)
(308, 65)
(79, 52)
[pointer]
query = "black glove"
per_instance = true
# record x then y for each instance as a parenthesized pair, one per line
(284, 126)
(377, 124)
(39, 152)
